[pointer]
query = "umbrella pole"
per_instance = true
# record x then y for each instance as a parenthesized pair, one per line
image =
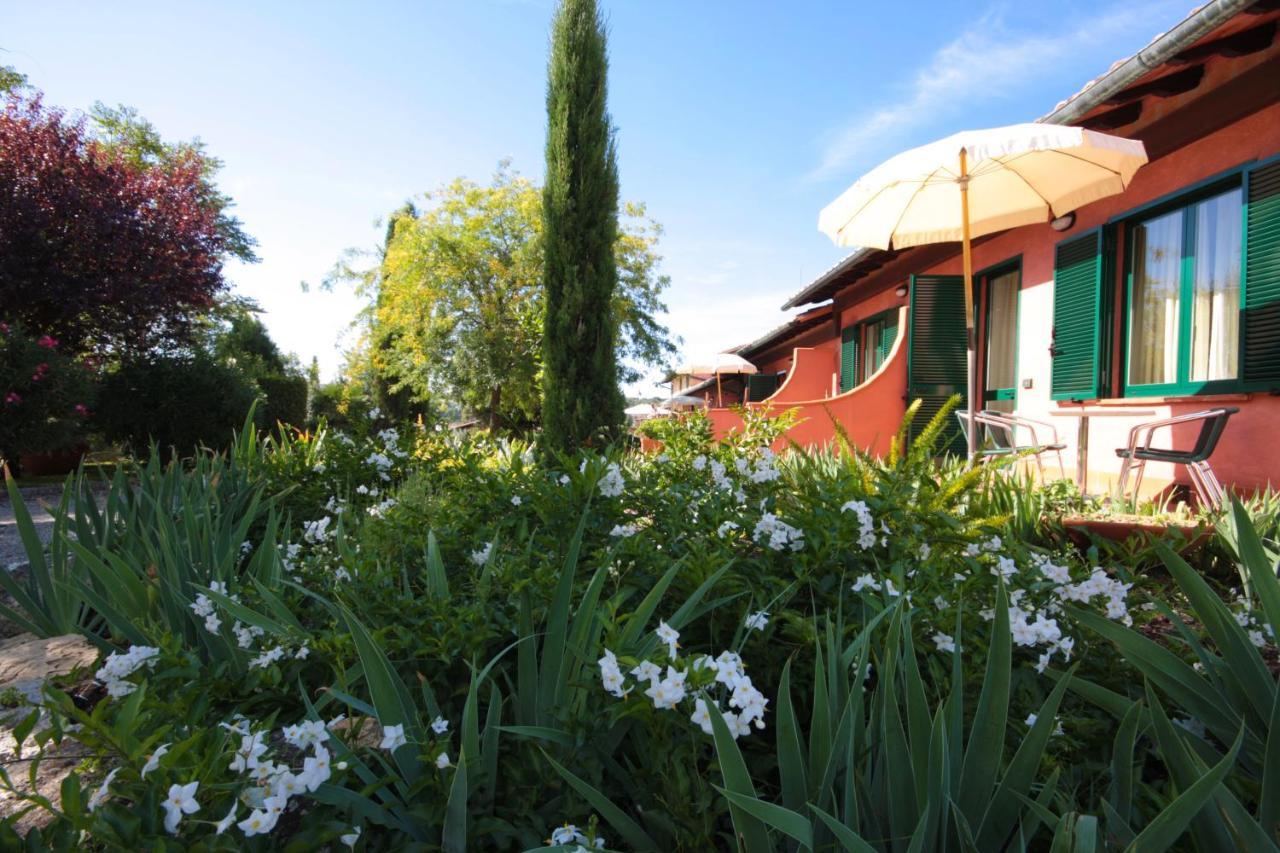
(971, 434)
(719, 396)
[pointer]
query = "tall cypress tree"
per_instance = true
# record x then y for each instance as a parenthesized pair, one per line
(581, 397)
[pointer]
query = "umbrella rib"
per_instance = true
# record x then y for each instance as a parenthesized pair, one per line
(1009, 168)
(1086, 162)
(901, 214)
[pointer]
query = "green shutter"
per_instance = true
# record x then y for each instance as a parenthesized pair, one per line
(888, 333)
(1260, 323)
(1077, 303)
(761, 386)
(849, 357)
(936, 352)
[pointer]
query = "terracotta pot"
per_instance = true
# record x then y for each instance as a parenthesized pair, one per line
(55, 462)
(1121, 529)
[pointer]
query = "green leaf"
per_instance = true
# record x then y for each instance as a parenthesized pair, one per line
(985, 749)
(791, 766)
(454, 834)
(631, 831)
(849, 840)
(1168, 826)
(782, 819)
(750, 830)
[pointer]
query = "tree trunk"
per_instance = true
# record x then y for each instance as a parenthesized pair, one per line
(495, 398)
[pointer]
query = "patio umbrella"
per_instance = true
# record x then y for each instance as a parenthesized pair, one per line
(722, 363)
(978, 182)
(682, 400)
(643, 410)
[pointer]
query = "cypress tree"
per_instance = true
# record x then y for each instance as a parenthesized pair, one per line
(581, 397)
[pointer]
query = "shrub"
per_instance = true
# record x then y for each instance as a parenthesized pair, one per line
(179, 402)
(286, 400)
(44, 395)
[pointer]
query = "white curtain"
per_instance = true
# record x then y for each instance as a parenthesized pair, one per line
(1215, 312)
(1153, 322)
(1002, 336)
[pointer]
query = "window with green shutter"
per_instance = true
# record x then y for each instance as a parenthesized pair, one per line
(850, 339)
(1260, 320)
(936, 364)
(878, 335)
(761, 386)
(1077, 314)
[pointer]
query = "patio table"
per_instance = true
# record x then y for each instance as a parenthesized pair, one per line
(1082, 433)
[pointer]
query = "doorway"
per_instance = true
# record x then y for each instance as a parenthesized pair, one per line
(999, 288)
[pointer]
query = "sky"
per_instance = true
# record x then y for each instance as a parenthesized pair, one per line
(737, 121)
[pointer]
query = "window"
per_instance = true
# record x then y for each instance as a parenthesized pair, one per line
(877, 341)
(1183, 270)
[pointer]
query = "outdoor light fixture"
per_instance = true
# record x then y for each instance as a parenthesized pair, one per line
(901, 291)
(1064, 222)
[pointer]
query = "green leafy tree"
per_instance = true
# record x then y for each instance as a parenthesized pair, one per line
(581, 397)
(456, 303)
(122, 129)
(11, 79)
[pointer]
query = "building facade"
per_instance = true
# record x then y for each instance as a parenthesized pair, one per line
(1162, 300)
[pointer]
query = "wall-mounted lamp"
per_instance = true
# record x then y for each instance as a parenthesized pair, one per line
(1064, 222)
(901, 291)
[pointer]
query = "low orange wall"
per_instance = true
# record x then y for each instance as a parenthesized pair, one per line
(810, 378)
(870, 413)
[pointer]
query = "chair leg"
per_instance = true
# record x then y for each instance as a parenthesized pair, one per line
(1198, 484)
(1218, 495)
(1122, 484)
(1062, 470)
(1140, 469)
(1040, 465)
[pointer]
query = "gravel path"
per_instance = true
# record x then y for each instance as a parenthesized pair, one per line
(37, 500)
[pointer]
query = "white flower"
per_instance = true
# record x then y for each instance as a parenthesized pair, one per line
(392, 737)
(566, 834)
(702, 716)
(516, 500)
(756, 621)
(153, 761)
(100, 795)
(778, 533)
(439, 725)
(647, 671)
(181, 800)
(480, 556)
(351, 837)
(612, 483)
(865, 582)
(119, 666)
(225, 824)
(1257, 639)
(316, 769)
(623, 530)
(668, 635)
(252, 747)
(668, 692)
(442, 760)
(725, 528)
(564, 480)
(944, 642)
(259, 822)
(699, 462)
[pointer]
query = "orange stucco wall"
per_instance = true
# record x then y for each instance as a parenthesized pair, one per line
(1249, 453)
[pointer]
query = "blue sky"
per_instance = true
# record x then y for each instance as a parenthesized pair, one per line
(736, 121)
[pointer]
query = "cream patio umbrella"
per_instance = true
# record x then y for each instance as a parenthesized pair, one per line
(722, 363)
(978, 182)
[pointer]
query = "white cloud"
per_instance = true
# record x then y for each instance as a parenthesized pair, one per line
(986, 62)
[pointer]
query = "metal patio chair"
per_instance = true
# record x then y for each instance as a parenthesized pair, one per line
(1196, 460)
(1001, 437)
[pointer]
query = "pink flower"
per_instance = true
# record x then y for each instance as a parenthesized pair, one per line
(4, 328)
(41, 370)
(82, 410)
(47, 342)
(12, 398)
